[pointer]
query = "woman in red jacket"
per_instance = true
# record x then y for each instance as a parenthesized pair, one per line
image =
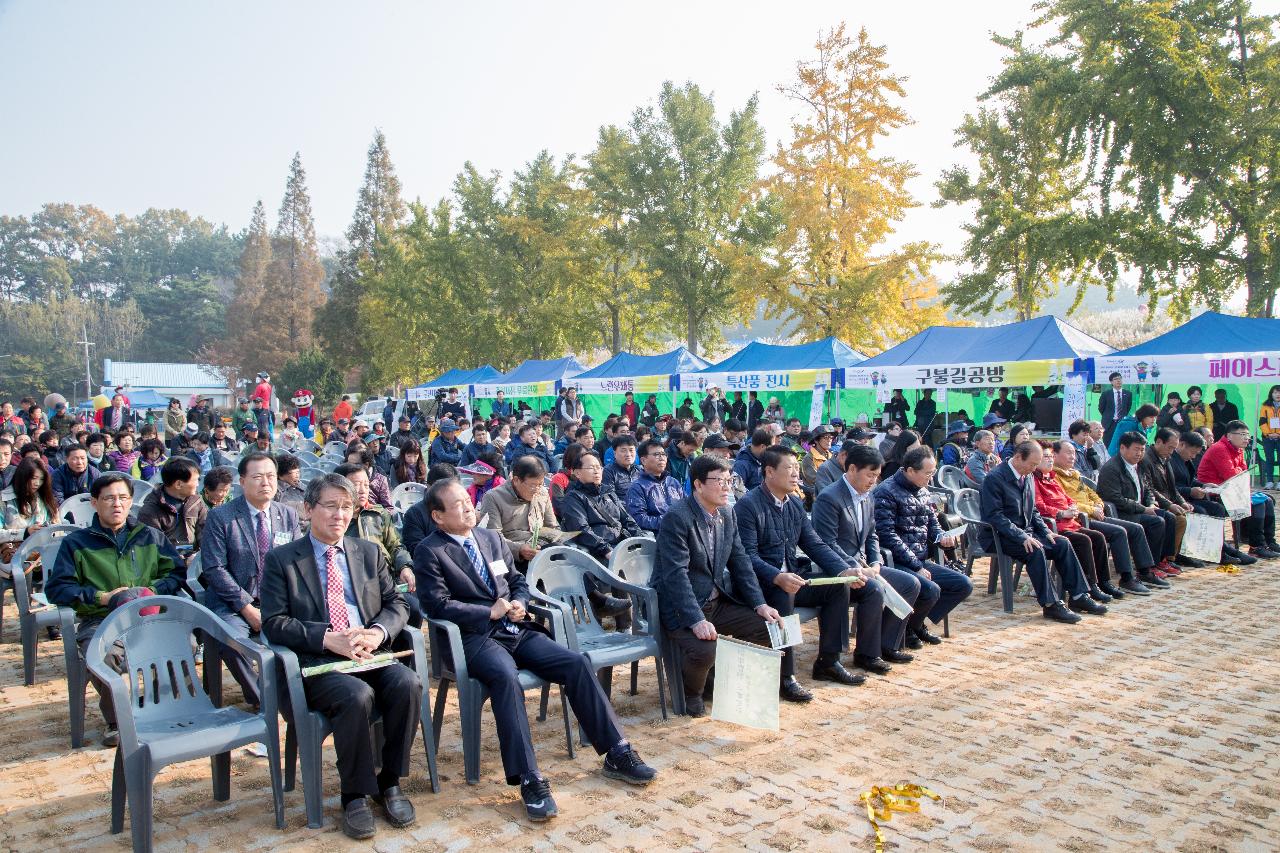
(1053, 504)
(1225, 459)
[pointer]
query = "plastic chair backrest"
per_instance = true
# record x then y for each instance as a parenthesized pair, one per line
(141, 488)
(77, 511)
(193, 573)
(951, 477)
(306, 456)
(406, 495)
(558, 571)
(967, 504)
(36, 541)
(236, 490)
(633, 558)
(162, 680)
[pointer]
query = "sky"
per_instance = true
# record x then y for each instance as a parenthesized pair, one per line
(131, 105)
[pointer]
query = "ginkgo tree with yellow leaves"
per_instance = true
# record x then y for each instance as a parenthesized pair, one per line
(838, 200)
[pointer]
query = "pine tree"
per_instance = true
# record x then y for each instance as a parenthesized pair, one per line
(380, 210)
(243, 315)
(295, 277)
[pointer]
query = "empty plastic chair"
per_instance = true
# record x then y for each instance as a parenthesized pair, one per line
(77, 510)
(163, 713)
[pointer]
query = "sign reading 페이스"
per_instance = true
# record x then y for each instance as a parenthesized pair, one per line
(986, 375)
(1201, 367)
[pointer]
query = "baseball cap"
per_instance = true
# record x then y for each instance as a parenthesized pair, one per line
(190, 430)
(249, 428)
(957, 427)
(716, 441)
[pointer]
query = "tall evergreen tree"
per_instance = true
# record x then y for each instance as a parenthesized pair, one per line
(243, 314)
(380, 210)
(293, 291)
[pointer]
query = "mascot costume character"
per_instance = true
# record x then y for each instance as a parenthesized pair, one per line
(303, 400)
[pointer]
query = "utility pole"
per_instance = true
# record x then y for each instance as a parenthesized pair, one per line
(88, 377)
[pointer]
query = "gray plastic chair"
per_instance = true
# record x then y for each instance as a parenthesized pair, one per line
(77, 510)
(164, 716)
(19, 560)
(952, 478)
(449, 664)
(141, 488)
(557, 576)
(31, 619)
(405, 495)
(305, 733)
(1006, 569)
(632, 560)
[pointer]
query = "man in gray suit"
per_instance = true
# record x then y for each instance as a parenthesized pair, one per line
(705, 581)
(844, 516)
(233, 551)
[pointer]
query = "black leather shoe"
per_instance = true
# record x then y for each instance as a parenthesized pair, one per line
(836, 672)
(896, 656)
(611, 606)
(1059, 613)
(1098, 595)
(912, 641)
(396, 806)
(357, 819)
(932, 639)
(694, 706)
(538, 802)
(1085, 604)
(791, 691)
(1263, 553)
(879, 666)
(1151, 580)
(1111, 589)
(1190, 563)
(1133, 586)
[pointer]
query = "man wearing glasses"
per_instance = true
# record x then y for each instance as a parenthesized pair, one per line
(705, 581)
(233, 551)
(1225, 459)
(97, 567)
(655, 491)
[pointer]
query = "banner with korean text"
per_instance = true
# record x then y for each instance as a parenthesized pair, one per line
(522, 390)
(985, 375)
(1233, 367)
(762, 382)
(621, 385)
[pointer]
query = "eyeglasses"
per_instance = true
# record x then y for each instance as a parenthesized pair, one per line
(337, 508)
(115, 499)
(657, 454)
(720, 482)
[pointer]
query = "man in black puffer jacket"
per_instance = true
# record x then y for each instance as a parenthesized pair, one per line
(601, 522)
(907, 525)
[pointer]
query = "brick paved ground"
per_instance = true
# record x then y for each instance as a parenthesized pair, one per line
(1153, 728)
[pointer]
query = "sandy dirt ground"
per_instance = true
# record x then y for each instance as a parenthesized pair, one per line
(1152, 728)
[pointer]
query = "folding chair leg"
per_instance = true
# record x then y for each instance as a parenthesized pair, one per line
(290, 757)
(221, 767)
(635, 680)
(1007, 583)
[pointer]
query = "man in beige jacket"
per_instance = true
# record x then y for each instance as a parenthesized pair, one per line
(519, 507)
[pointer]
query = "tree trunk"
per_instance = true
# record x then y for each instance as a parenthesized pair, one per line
(1261, 292)
(615, 321)
(691, 341)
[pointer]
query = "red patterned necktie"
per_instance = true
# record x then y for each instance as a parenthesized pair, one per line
(333, 591)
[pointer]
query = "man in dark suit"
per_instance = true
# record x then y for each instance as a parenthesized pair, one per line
(844, 517)
(233, 552)
(1009, 506)
(331, 597)
(465, 576)
(1113, 404)
(1120, 483)
(773, 525)
(705, 582)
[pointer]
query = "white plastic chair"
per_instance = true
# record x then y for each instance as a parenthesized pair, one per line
(77, 510)
(406, 495)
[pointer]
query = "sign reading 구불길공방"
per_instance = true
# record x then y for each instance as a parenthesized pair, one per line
(988, 375)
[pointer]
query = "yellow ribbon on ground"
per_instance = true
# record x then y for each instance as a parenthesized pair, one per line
(896, 798)
(1229, 569)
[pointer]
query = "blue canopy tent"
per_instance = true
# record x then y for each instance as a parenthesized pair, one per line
(788, 372)
(534, 382)
(1041, 351)
(455, 378)
(146, 398)
(603, 388)
(1240, 355)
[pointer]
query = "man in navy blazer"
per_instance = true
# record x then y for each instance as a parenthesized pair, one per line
(330, 597)
(465, 575)
(1113, 404)
(1008, 504)
(844, 517)
(233, 551)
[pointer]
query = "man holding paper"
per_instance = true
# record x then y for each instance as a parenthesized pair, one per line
(330, 597)
(773, 524)
(1225, 459)
(705, 582)
(465, 576)
(844, 517)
